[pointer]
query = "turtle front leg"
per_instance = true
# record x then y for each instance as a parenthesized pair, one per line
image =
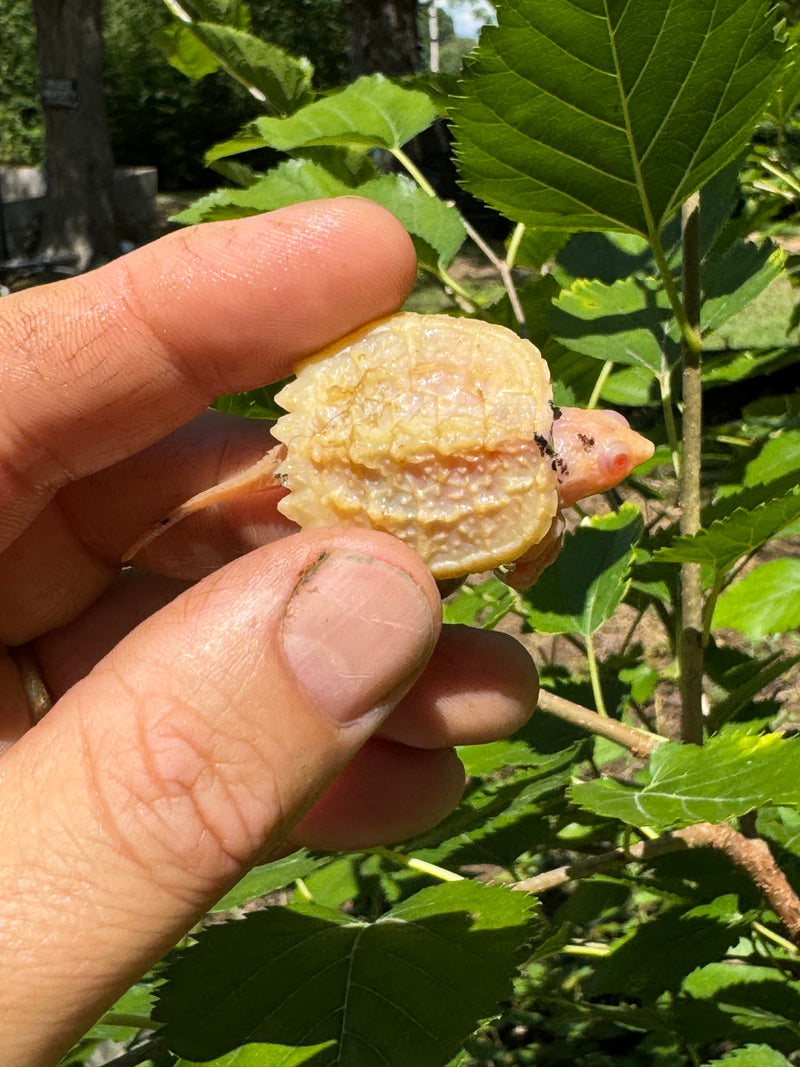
(258, 476)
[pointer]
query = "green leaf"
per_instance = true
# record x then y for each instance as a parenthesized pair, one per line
(751, 1056)
(731, 775)
(728, 539)
(252, 1055)
(589, 579)
(694, 937)
(598, 115)
(484, 605)
(435, 227)
(765, 601)
(304, 975)
(619, 323)
(780, 455)
(185, 52)
(267, 878)
(372, 112)
(733, 280)
(282, 80)
(750, 680)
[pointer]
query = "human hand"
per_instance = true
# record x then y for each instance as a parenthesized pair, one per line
(299, 693)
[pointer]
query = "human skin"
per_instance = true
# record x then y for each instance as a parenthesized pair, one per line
(249, 691)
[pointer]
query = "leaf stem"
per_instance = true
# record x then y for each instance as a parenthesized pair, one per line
(602, 378)
(594, 676)
(413, 864)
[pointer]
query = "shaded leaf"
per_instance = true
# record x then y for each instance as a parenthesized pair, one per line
(589, 579)
(733, 280)
(304, 975)
(695, 937)
(588, 116)
(732, 774)
(283, 80)
(372, 112)
(765, 601)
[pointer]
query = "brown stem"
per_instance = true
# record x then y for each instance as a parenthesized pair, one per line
(752, 854)
(619, 857)
(691, 722)
(636, 741)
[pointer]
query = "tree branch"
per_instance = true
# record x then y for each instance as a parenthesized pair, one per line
(691, 642)
(639, 742)
(619, 857)
(751, 854)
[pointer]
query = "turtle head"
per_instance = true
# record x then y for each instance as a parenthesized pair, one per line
(594, 451)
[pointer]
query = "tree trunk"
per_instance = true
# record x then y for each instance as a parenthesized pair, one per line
(383, 37)
(79, 167)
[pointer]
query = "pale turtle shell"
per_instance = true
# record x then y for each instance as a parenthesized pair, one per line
(432, 428)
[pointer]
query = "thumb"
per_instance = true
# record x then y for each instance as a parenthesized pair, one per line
(188, 753)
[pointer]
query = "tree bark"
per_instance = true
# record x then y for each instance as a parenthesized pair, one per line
(79, 167)
(383, 37)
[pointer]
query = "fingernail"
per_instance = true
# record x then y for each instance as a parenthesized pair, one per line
(356, 634)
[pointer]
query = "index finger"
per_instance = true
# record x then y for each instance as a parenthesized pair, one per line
(98, 367)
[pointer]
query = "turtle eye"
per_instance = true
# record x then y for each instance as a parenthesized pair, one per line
(615, 462)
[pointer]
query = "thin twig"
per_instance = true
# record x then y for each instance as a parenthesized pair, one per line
(691, 721)
(636, 741)
(502, 269)
(619, 857)
(752, 855)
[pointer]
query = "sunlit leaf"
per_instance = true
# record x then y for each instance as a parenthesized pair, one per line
(373, 112)
(742, 531)
(587, 115)
(765, 601)
(620, 323)
(436, 227)
(729, 776)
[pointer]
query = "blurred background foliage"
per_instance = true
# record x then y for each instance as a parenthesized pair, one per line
(157, 116)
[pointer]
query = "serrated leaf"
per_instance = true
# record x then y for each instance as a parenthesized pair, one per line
(303, 975)
(283, 80)
(751, 1056)
(765, 601)
(484, 605)
(436, 227)
(589, 579)
(252, 1055)
(728, 539)
(728, 777)
(267, 878)
(733, 280)
(586, 115)
(694, 937)
(372, 112)
(749, 682)
(185, 52)
(619, 323)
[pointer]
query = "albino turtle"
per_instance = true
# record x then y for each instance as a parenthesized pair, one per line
(441, 431)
